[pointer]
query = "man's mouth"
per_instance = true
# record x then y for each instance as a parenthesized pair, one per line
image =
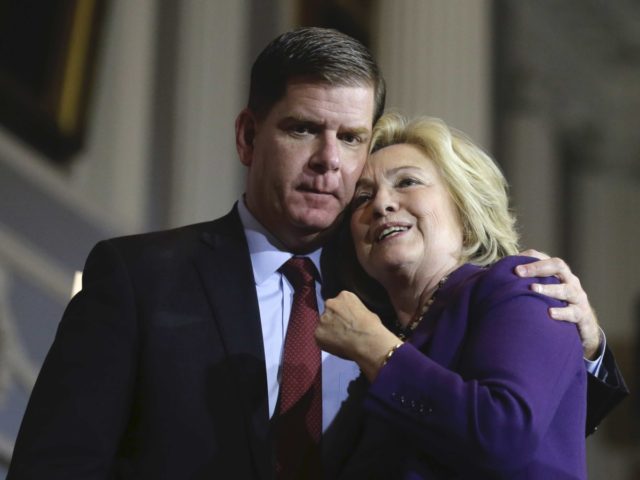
(314, 191)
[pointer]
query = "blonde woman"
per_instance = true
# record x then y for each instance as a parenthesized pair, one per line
(474, 379)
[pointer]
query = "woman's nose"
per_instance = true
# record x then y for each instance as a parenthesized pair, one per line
(384, 202)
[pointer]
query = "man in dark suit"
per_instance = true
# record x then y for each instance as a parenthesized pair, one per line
(167, 364)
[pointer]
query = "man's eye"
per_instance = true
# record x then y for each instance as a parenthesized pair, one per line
(351, 138)
(300, 129)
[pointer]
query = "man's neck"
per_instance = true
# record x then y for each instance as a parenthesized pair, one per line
(298, 241)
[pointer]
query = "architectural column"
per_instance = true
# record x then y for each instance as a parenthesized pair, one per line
(112, 172)
(210, 91)
(436, 58)
(532, 168)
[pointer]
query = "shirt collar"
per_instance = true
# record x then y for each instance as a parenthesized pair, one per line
(267, 253)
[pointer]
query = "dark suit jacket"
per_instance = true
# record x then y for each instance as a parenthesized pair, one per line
(604, 394)
(157, 369)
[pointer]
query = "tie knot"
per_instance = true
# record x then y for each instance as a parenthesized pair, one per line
(300, 271)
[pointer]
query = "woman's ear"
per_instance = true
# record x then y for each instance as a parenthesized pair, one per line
(245, 135)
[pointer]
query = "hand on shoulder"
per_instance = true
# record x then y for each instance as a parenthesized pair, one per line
(578, 309)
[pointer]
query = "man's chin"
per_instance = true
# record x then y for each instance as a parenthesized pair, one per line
(314, 227)
(317, 220)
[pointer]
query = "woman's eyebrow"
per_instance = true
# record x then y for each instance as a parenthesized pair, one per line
(367, 182)
(395, 170)
(364, 182)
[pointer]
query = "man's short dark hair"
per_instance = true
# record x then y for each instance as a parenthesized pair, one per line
(323, 55)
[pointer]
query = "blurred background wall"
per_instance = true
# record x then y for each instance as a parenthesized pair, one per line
(550, 87)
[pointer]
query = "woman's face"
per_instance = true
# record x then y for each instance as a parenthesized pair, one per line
(404, 220)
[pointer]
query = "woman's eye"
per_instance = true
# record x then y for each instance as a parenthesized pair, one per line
(360, 198)
(407, 182)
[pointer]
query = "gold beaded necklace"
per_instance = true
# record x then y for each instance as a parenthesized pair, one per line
(405, 332)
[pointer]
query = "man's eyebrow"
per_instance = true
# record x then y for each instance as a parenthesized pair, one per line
(356, 130)
(299, 119)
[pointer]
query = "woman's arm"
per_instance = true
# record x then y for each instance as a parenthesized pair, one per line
(514, 374)
(512, 371)
(349, 330)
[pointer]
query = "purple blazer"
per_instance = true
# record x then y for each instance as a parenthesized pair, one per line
(487, 387)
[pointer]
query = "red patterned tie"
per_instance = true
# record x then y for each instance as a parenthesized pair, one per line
(299, 422)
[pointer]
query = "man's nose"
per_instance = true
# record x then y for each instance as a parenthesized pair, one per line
(327, 155)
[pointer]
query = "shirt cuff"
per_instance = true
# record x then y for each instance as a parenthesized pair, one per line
(594, 366)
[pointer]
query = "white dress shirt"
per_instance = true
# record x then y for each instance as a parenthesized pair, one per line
(594, 367)
(275, 296)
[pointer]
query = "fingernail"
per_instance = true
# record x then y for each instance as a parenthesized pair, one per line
(536, 288)
(521, 270)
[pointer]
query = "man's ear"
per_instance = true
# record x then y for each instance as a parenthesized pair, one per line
(245, 135)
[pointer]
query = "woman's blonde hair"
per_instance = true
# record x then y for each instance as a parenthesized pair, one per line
(474, 181)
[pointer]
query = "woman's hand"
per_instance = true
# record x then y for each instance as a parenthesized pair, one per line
(578, 310)
(349, 330)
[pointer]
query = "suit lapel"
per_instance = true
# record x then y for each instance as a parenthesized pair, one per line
(225, 269)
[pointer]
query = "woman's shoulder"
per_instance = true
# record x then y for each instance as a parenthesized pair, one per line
(501, 280)
(507, 265)
(504, 270)
(484, 286)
